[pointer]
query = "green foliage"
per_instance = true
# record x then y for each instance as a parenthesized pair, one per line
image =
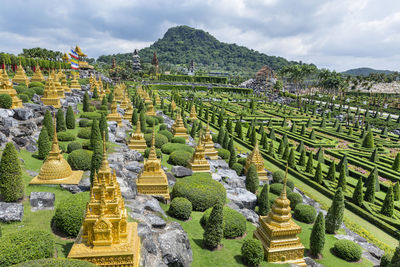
(343, 162)
(95, 135)
(214, 228)
(385, 260)
(396, 191)
(277, 189)
(295, 198)
(334, 217)
(252, 252)
(234, 223)
(330, 176)
(347, 250)
(368, 141)
(396, 257)
(374, 156)
(318, 174)
(167, 134)
(223, 153)
(25, 245)
(160, 139)
(202, 191)
(11, 185)
(317, 237)
(309, 167)
(70, 213)
(48, 123)
(44, 144)
(171, 147)
(35, 84)
(358, 196)
(178, 140)
(388, 204)
(238, 168)
(85, 102)
(396, 162)
(59, 262)
(180, 158)
(84, 133)
(66, 136)
(263, 201)
(85, 123)
(70, 118)
(320, 156)
(79, 159)
(180, 208)
(73, 146)
(24, 98)
(103, 126)
(60, 122)
(221, 136)
(370, 192)
(302, 159)
(92, 115)
(252, 180)
(278, 176)
(342, 178)
(305, 213)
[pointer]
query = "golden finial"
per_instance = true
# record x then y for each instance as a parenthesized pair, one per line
(283, 194)
(104, 162)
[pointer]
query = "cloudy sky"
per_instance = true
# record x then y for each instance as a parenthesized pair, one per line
(336, 34)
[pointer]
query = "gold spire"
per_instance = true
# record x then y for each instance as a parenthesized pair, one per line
(54, 146)
(255, 158)
(104, 163)
(153, 154)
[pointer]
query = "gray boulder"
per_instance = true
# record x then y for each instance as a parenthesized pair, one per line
(155, 221)
(153, 205)
(11, 212)
(133, 155)
(180, 171)
(242, 198)
(42, 200)
(134, 166)
(23, 114)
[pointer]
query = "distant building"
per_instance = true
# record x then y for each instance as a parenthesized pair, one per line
(265, 74)
(136, 61)
(191, 68)
(154, 62)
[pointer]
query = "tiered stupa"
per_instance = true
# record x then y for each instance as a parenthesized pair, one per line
(147, 99)
(199, 162)
(64, 83)
(150, 110)
(50, 95)
(37, 75)
(158, 100)
(107, 89)
(56, 170)
(6, 87)
(128, 111)
(137, 141)
(20, 75)
(153, 180)
(125, 100)
(178, 128)
(106, 237)
(193, 114)
(210, 151)
(255, 158)
(57, 84)
(277, 233)
(114, 115)
(93, 83)
(173, 105)
(118, 92)
(74, 82)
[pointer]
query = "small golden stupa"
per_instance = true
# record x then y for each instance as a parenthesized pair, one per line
(210, 150)
(147, 99)
(37, 75)
(150, 110)
(128, 111)
(193, 114)
(100, 84)
(173, 105)
(106, 237)
(125, 100)
(118, 93)
(20, 75)
(137, 141)
(114, 115)
(141, 92)
(178, 128)
(50, 96)
(57, 84)
(153, 180)
(255, 158)
(55, 169)
(74, 82)
(6, 87)
(158, 100)
(277, 233)
(93, 83)
(199, 162)
(64, 84)
(107, 89)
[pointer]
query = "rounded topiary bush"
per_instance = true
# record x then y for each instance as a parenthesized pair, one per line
(305, 213)
(38, 90)
(25, 98)
(66, 136)
(5, 101)
(159, 119)
(171, 147)
(25, 245)
(347, 250)
(238, 168)
(163, 127)
(35, 84)
(59, 262)
(234, 222)
(223, 153)
(180, 158)
(73, 146)
(85, 123)
(178, 140)
(69, 214)
(277, 189)
(252, 252)
(290, 184)
(167, 134)
(242, 161)
(180, 208)
(278, 176)
(201, 190)
(80, 159)
(295, 198)
(147, 152)
(160, 139)
(150, 121)
(84, 133)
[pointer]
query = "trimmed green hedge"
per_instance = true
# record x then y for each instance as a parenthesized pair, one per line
(180, 208)
(73, 146)
(167, 134)
(180, 158)
(84, 133)
(85, 123)
(178, 140)
(223, 153)
(347, 250)
(65, 136)
(91, 115)
(277, 189)
(305, 213)
(80, 159)
(59, 262)
(5, 101)
(160, 140)
(234, 222)
(171, 147)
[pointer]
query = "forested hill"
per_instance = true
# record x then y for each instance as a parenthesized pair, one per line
(181, 44)
(365, 71)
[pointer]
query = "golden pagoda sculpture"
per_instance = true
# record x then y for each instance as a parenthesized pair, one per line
(114, 115)
(147, 99)
(178, 128)
(153, 180)
(210, 150)
(158, 100)
(128, 111)
(57, 84)
(199, 162)
(65, 57)
(137, 141)
(255, 158)
(93, 83)
(37, 75)
(55, 169)
(74, 82)
(107, 89)
(118, 92)
(64, 84)
(193, 114)
(150, 110)
(125, 100)
(106, 237)
(173, 105)
(6, 87)
(50, 95)
(100, 84)
(278, 233)
(20, 76)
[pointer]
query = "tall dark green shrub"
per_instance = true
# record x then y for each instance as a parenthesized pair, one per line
(320, 155)
(85, 102)
(358, 194)
(396, 191)
(334, 217)
(60, 122)
(214, 229)
(396, 257)
(342, 179)
(252, 179)
(44, 144)
(317, 237)
(134, 117)
(252, 252)
(388, 203)
(396, 162)
(232, 156)
(263, 201)
(331, 172)
(48, 123)
(97, 156)
(368, 141)
(11, 185)
(103, 126)
(318, 174)
(95, 135)
(95, 94)
(286, 152)
(291, 159)
(310, 163)
(343, 162)
(302, 159)
(70, 118)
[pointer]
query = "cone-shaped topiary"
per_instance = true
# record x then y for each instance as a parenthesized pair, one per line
(302, 159)
(135, 117)
(60, 123)
(358, 195)
(104, 101)
(396, 256)
(368, 140)
(374, 156)
(272, 134)
(214, 229)
(48, 123)
(300, 147)
(370, 192)
(97, 156)
(263, 201)
(396, 191)
(44, 144)
(85, 102)
(285, 155)
(11, 186)
(318, 174)
(303, 129)
(312, 135)
(271, 150)
(342, 179)
(334, 217)
(388, 203)
(396, 162)
(70, 118)
(343, 162)
(221, 136)
(252, 179)
(232, 156)
(374, 178)
(310, 163)
(238, 129)
(95, 93)
(291, 159)
(293, 129)
(317, 237)
(103, 126)
(331, 172)
(320, 155)
(95, 135)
